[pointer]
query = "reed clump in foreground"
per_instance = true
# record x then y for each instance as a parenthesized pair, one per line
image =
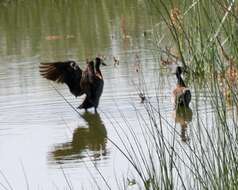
(204, 35)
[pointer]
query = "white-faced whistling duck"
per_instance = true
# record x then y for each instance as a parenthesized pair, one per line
(181, 94)
(89, 82)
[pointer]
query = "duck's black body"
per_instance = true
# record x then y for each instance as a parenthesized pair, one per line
(95, 88)
(89, 82)
(93, 95)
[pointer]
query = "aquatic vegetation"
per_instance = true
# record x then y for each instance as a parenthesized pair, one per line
(208, 159)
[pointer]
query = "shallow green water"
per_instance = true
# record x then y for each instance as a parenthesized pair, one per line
(40, 133)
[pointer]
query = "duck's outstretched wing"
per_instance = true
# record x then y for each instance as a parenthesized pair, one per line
(63, 72)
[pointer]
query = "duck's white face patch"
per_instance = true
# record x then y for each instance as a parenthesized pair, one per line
(73, 65)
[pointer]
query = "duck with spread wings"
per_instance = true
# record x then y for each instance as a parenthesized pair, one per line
(89, 82)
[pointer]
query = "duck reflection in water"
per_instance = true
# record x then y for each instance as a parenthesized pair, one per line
(86, 142)
(183, 115)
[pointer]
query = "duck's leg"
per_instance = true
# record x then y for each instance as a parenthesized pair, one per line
(95, 110)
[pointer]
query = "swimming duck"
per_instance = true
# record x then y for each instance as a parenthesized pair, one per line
(181, 94)
(89, 82)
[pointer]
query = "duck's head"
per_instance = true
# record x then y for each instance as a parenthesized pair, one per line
(73, 65)
(179, 70)
(100, 61)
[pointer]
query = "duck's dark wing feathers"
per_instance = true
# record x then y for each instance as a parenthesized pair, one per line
(63, 72)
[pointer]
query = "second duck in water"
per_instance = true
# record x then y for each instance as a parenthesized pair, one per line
(181, 93)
